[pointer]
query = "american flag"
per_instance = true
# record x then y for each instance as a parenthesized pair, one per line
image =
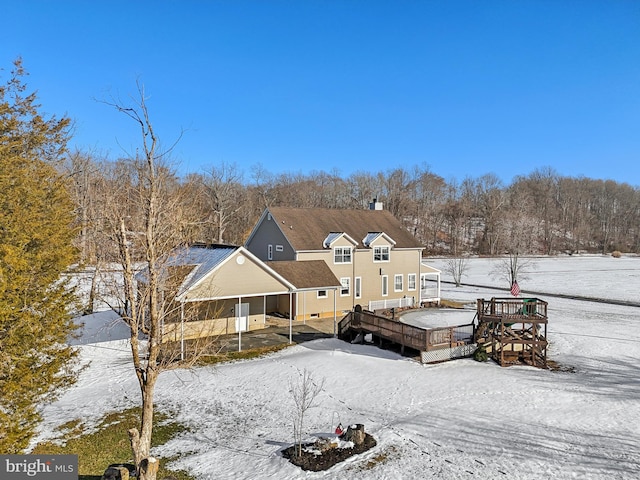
(515, 289)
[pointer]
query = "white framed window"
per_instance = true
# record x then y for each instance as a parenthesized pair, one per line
(270, 252)
(411, 281)
(342, 255)
(279, 248)
(397, 282)
(381, 253)
(385, 285)
(345, 288)
(322, 294)
(357, 286)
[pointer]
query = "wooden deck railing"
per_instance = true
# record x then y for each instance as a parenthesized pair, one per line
(420, 339)
(512, 307)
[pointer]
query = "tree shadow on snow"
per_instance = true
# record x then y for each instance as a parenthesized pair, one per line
(615, 377)
(499, 442)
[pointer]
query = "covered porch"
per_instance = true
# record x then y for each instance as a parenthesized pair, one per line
(429, 284)
(227, 290)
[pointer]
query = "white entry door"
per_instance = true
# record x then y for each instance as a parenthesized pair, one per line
(242, 317)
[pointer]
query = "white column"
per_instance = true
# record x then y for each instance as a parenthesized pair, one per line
(182, 330)
(335, 294)
(264, 310)
(238, 323)
(290, 318)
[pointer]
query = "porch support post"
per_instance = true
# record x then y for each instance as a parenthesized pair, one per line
(181, 329)
(290, 318)
(238, 313)
(264, 310)
(438, 288)
(335, 294)
(419, 280)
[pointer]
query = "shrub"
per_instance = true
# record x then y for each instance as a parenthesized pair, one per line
(481, 355)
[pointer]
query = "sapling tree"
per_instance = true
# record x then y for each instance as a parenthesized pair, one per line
(304, 393)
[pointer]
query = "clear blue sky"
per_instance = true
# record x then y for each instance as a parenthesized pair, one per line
(464, 87)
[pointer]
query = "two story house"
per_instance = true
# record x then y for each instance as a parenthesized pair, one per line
(297, 264)
(377, 261)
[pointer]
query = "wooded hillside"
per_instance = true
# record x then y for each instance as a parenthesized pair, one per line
(540, 213)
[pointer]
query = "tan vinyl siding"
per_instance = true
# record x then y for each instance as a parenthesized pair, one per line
(213, 318)
(402, 261)
(233, 280)
(309, 306)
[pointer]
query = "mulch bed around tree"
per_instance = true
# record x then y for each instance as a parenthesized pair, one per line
(318, 462)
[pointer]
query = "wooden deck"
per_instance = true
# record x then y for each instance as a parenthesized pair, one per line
(511, 330)
(406, 336)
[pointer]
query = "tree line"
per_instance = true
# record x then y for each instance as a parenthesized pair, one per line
(539, 213)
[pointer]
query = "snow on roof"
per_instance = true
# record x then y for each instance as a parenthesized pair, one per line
(333, 236)
(204, 258)
(373, 236)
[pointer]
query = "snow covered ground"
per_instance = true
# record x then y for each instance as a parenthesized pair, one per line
(454, 420)
(598, 276)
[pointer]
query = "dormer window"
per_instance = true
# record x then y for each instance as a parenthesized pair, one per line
(342, 255)
(381, 253)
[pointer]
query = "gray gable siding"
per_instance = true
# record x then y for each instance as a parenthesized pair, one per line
(266, 233)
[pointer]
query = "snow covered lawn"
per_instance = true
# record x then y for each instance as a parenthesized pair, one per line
(459, 419)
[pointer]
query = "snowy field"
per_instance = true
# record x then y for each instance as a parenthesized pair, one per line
(456, 420)
(598, 276)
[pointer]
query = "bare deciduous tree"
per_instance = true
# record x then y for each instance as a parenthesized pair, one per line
(513, 268)
(456, 267)
(146, 231)
(305, 393)
(223, 187)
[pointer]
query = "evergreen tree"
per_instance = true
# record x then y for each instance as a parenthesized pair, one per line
(36, 215)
